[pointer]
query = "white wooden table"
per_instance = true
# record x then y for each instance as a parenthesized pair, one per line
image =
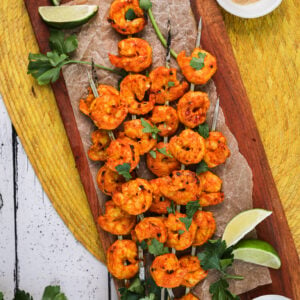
(36, 248)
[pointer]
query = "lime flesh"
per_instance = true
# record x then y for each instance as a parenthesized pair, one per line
(242, 224)
(64, 17)
(257, 252)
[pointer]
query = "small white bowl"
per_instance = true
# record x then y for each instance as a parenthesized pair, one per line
(271, 297)
(253, 10)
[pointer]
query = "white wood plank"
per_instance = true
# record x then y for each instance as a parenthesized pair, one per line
(48, 253)
(7, 244)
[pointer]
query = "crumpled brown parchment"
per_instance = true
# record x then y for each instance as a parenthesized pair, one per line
(96, 40)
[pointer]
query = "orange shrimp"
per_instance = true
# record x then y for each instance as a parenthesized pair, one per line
(115, 220)
(188, 147)
(206, 227)
(182, 186)
(136, 196)
(197, 76)
(150, 228)
(166, 271)
(109, 181)
(159, 203)
(166, 119)
(162, 165)
(194, 271)
(122, 259)
(117, 17)
(134, 130)
(97, 150)
(133, 90)
(211, 194)
(106, 111)
(135, 55)
(217, 150)
(121, 151)
(177, 239)
(188, 296)
(192, 108)
(165, 86)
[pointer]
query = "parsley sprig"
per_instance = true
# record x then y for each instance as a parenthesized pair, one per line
(197, 63)
(45, 68)
(149, 129)
(217, 256)
(191, 209)
(124, 170)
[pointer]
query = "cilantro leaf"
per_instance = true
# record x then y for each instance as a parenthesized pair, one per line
(149, 129)
(203, 130)
(219, 290)
(134, 292)
(22, 295)
(157, 248)
(164, 152)
(143, 245)
(152, 286)
(1, 296)
(171, 83)
(191, 208)
(152, 153)
(171, 208)
(151, 296)
(53, 293)
(127, 295)
(187, 221)
(137, 287)
(70, 44)
(197, 63)
(202, 167)
(130, 15)
(124, 170)
(145, 4)
(59, 44)
(180, 231)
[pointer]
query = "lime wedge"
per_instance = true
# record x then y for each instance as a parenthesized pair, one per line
(257, 252)
(67, 16)
(242, 224)
(55, 2)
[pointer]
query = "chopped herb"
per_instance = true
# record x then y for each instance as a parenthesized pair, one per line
(130, 15)
(135, 291)
(53, 293)
(22, 295)
(124, 170)
(171, 83)
(145, 4)
(180, 231)
(151, 296)
(197, 63)
(149, 129)
(151, 286)
(202, 167)
(191, 208)
(171, 208)
(164, 152)
(156, 248)
(187, 221)
(143, 245)
(219, 290)
(203, 130)
(152, 153)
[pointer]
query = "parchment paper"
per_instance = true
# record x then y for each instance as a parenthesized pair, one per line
(97, 39)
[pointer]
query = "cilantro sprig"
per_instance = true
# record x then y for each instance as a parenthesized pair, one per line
(157, 248)
(124, 170)
(197, 63)
(217, 256)
(202, 167)
(191, 209)
(45, 68)
(203, 130)
(164, 152)
(149, 129)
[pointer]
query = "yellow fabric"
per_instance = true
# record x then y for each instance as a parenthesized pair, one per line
(266, 51)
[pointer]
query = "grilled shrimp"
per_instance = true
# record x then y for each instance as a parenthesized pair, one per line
(134, 130)
(165, 86)
(106, 111)
(166, 271)
(117, 17)
(195, 76)
(175, 238)
(97, 150)
(188, 147)
(150, 228)
(188, 296)
(216, 149)
(194, 271)
(182, 186)
(109, 181)
(159, 203)
(133, 90)
(206, 226)
(192, 108)
(122, 259)
(115, 220)
(136, 196)
(121, 151)
(211, 194)
(166, 119)
(135, 55)
(162, 165)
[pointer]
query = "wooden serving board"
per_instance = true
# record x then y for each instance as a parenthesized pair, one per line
(239, 119)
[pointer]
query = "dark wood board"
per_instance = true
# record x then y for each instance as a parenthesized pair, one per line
(237, 110)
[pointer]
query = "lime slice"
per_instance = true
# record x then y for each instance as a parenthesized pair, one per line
(67, 16)
(257, 252)
(55, 2)
(242, 224)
